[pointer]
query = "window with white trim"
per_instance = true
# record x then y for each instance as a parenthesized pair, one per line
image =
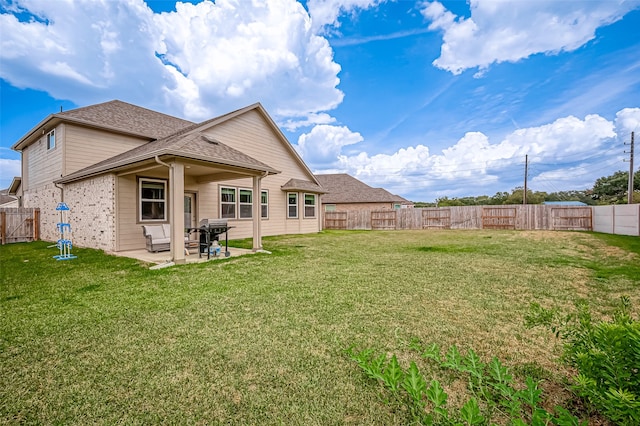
(292, 205)
(245, 200)
(309, 205)
(264, 204)
(153, 200)
(227, 203)
(51, 139)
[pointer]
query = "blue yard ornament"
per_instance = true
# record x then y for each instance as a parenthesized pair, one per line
(64, 243)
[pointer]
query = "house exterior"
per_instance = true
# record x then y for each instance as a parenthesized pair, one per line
(7, 200)
(119, 166)
(346, 193)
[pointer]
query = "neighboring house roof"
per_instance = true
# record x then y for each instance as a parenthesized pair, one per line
(302, 185)
(343, 188)
(564, 203)
(115, 116)
(5, 198)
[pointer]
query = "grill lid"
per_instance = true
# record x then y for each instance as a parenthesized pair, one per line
(213, 223)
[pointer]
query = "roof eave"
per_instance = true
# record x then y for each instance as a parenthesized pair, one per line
(15, 186)
(53, 120)
(163, 153)
(25, 140)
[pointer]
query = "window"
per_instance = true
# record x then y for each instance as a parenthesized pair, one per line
(51, 139)
(246, 201)
(330, 207)
(264, 204)
(309, 205)
(153, 200)
(228, 203)
(397, 206)
(292, 204)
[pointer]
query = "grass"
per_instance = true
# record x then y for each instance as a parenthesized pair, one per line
(261, 339)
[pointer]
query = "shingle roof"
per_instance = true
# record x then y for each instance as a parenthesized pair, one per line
(343, 188)
(127, 117)
(194, 146)
(5, 197)
(302, 185)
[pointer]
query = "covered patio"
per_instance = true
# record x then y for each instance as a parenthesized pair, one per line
(186, 162)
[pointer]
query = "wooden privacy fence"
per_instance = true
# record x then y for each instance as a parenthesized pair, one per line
(523, 217)
(19, 225)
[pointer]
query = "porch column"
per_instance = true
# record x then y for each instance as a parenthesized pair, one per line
(257, 213)
(176, 189)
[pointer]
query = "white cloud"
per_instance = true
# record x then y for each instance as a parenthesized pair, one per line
(311, 119)
(196, 62)
(239, 52)
(322, 146)
(627, 121)
(326, 12)
(577, 177)
(507, 31)
(473, 164)
(8, 170)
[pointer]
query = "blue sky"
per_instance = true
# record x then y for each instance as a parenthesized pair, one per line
(425, 99)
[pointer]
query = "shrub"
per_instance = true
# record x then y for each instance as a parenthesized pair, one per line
(606, 355)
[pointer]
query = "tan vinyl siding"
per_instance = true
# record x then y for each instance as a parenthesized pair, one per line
(277, 223)
(128, 231)
(44, 165)
(85, 146)
(251, 134)
(206, 199)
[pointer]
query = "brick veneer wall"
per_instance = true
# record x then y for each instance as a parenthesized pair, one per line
(92, 204)
(46, 198)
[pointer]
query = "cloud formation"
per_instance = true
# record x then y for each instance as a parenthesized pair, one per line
(473, 162)
(507, 31)
(324, 143)
(8, 170)
(196, 62)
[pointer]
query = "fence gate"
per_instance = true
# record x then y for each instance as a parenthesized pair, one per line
(335, 220)
(436, 218)
(499, 218)
(571, 219)
(385, 219)
(19, 225)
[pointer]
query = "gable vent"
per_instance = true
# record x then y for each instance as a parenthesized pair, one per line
(210, 139)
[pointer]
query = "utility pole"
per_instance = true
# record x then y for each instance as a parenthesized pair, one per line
(630, 189)
(526, 170)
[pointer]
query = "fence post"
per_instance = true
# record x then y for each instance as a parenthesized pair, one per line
(36, 224)
(3, 228)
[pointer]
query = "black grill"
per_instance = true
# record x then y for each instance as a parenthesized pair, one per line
(210, 231)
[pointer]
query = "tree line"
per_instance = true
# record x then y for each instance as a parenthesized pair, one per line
(606, 190)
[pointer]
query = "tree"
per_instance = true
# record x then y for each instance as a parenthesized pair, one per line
(613, 189)
(532, 197)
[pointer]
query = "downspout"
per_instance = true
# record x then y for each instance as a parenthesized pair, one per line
(162, 163)
(61, 192)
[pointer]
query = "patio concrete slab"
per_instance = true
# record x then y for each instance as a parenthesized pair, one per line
(165, 256)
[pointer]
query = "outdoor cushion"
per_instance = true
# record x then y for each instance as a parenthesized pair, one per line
(154, 231)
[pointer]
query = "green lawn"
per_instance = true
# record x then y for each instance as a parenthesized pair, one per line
(261, 339)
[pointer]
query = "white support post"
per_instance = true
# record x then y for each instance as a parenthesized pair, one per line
(257, 213)
(176, 188)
